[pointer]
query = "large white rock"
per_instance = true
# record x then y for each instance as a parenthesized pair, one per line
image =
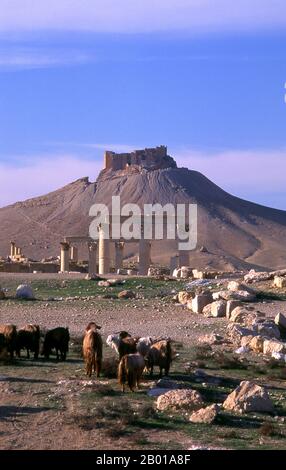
(249, 397)
(205, 415)
(273, 346)
(254, 276)
(230, 306)
(218, 308)
(280, 321)
(279, 282)
(186, 272)
(189, 400)
(200, 301)
(24, 291)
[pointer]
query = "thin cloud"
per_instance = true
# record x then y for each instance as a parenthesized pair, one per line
(21, 58)
(137, 16)
(48, 173)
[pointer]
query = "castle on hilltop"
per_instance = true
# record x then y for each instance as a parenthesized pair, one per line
(149, 158)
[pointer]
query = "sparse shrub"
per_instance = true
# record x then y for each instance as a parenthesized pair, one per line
(267, 429)
(225, 361)
(203, 351)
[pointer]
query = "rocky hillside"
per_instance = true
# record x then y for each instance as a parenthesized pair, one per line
(236, 233)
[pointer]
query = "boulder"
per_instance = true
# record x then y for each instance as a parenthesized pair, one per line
(254, 276)
(200, 301)
(235, 286)
(256, 344)
(279, 282)
(126, 294)
(205, 415)
(246, 340)
(271, 345)
(231, 305)
(180, 399)
(218, 308)
(249, 397)
(207, 311)
(280, 321)
(184, 297)
(241, 295)
(246, 316)
(115, 282)
(235, 332)
(24, 291)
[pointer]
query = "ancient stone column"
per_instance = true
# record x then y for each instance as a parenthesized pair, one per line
(19, 251)
(119, 247)
(12, 249)
(183, 258)
(174, 260)
(144, 256)
(74, 254)
(65, 257)
(92, 250)
(103, 252)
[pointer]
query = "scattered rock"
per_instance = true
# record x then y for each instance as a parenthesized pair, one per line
(200, 301)
(235, 286)
(126, 294)
(246, 340)
(256, 344)
(270, 346)
(254, 276)
(205, 415)
(189, 400)
(218, 308)
(235, 332)
(279, 282)
(249, 397)
(92, 277)
(25, 292)
(280, 321)
(207, 311)
(231, 305)
(184, 297)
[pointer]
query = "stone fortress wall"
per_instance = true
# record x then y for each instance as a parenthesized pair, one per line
(149, 158)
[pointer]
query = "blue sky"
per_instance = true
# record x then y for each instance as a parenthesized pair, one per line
(80, 77)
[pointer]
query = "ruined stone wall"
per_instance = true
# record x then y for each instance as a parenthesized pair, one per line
(150, 157)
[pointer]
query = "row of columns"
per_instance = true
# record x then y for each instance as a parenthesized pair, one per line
(14, 250)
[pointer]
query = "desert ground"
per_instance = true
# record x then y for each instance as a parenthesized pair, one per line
(46, 404)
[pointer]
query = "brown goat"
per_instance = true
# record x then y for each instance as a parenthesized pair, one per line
(10, 334)
(130, 370)
(92, 352)
(28, 337)
(160, 354)
(3, 347)
(92, 326)
(127, 346)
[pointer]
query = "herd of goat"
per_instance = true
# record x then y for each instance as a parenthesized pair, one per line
(135, 354)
